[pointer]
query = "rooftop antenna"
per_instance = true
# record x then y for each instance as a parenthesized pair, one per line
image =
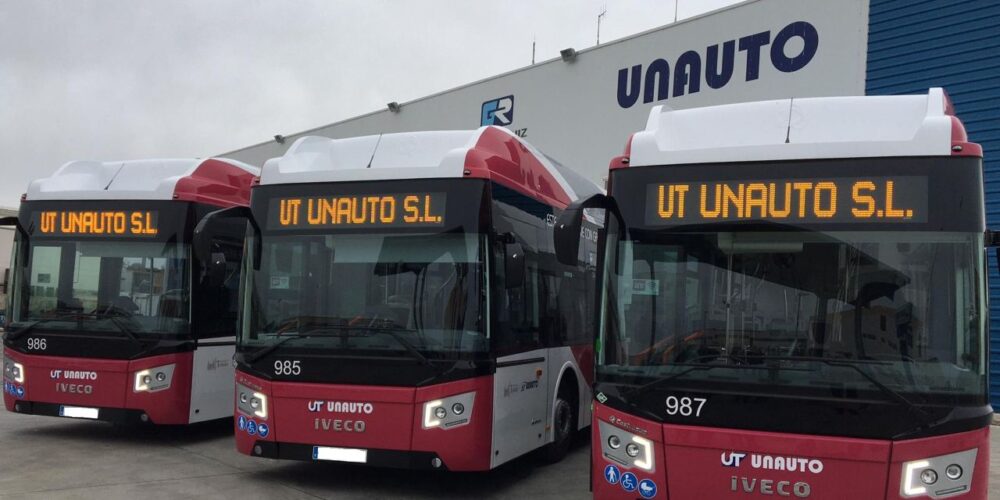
(604, 11)
(532, 49)
(676, 3)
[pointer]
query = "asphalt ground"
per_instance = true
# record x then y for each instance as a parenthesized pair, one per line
(54, 458)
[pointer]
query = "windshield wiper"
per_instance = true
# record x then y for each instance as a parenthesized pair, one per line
(325, 331)
(394, 333)
(16, 334)
(925, 418)
(121, 326)
(264, 351)
(639, 389)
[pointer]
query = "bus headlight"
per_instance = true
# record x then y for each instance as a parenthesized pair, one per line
(938, 476)
(436, 412)
(13, 370)
(625, 448)
(153, 379)
(251, 402)
(643, 453)
(953, 471)
(614, 442)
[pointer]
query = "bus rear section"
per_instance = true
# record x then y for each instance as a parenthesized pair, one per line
(112, 317)
(795, 307)
(402, 305)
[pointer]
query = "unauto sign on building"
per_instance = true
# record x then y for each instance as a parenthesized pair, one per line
(714, 65)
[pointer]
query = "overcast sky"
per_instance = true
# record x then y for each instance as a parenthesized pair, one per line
(125, 79)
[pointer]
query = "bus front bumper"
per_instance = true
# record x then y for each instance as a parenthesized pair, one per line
(400, 427)
(112, 415)
(154, 389)
(396, 459)
(734, 463)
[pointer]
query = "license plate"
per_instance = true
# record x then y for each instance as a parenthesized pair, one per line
(340, 454)
(77, 412)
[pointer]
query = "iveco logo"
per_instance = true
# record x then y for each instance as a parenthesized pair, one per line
(74, 388)
(338, 425)
(498, 111)
(770, 487)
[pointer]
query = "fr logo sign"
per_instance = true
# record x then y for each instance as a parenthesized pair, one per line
(498, 111)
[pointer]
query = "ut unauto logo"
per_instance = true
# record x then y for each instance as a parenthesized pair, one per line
(498, 111)
(733, 460)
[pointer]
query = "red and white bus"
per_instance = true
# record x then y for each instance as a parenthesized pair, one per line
(794, 305)
(111, 317)
(402, 304)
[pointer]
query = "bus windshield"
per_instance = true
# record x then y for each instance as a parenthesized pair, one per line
(367, 293)
(140, 288)
(834, 312)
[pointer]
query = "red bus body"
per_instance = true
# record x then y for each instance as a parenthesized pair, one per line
(708, 415)
(322, 373)
(52, 368)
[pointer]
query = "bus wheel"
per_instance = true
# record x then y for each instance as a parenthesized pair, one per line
(563, 427)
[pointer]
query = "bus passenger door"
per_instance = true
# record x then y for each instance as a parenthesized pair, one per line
(520, 385)
(519, 405)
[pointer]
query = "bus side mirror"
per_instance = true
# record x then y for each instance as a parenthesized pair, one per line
(204, 234)
(513, 265)
(13, 221)
(566, 235)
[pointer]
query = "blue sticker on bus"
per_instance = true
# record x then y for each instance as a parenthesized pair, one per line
(612, 474)
(242, 423)
(629, 481)
(647, 488)
(252, 427)
(262, 430)
(20, 391)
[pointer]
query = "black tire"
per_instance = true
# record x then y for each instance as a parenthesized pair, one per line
(563, 428)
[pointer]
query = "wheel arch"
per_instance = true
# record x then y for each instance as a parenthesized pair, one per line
(570, 376)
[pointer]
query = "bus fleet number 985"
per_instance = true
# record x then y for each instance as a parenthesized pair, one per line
(287, 367)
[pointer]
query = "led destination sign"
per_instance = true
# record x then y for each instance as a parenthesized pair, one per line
(827, 200)
(132, 223)
(357, 211)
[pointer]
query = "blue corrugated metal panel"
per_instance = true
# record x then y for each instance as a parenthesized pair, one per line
(916, 44)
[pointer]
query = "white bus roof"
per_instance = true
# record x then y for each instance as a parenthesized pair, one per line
(487, 152)
(161, 179)
(803, 128)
